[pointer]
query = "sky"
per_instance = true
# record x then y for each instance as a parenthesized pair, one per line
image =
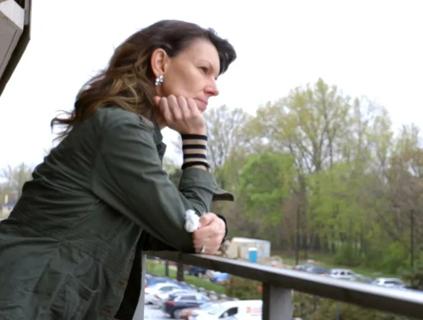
(370, 48)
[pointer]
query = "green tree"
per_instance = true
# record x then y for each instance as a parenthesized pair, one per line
(354, 188)
(226, 153)
(309, 125)
(265, 186)
(224, 129)
(405, 177)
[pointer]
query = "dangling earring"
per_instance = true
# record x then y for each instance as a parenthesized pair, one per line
(159, 80)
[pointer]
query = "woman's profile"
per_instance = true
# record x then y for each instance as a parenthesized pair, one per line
(71, 247)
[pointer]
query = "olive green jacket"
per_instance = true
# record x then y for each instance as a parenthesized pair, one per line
(68, 247)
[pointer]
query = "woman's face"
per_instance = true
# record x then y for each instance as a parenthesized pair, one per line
(192, 73)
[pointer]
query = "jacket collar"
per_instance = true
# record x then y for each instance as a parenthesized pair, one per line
(157, 135)
(158, 139)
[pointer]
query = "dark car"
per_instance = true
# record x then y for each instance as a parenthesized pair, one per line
(317, 270)
(196, 271)
(303, 267)
(174, 305)
(311, 268)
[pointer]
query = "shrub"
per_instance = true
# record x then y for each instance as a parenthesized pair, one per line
(243, 288)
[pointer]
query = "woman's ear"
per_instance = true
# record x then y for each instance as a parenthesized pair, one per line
(159, 60)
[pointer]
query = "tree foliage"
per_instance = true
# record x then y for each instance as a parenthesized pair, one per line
(12, 180)
(224, 127)
(320, 171)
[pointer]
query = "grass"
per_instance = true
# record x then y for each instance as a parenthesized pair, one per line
(328, 261)
(157, 268)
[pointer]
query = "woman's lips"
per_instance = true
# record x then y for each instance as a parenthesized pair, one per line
(201, 104)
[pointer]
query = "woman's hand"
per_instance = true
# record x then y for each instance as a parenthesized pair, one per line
(209, 236)
(181, 114)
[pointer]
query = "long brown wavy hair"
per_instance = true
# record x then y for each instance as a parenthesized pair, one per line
(128, 80)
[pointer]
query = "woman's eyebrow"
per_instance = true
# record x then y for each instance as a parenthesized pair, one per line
(211, 66)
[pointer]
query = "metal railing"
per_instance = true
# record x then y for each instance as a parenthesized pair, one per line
(278, 285)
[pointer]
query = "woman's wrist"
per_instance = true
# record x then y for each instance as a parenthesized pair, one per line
(194, 148)
(197, 131)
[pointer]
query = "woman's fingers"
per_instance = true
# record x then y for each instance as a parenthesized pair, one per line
(193, 108)
(175, 108)
(157, 100)
(209, 236)
(182, 114)
(183, 107)
(164, 109)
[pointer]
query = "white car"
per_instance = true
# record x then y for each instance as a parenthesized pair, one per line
(389, 282)
(160, 297)
(345, 274)
(151, 292)
(238, 309)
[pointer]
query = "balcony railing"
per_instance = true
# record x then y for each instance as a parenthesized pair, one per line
(278, 285)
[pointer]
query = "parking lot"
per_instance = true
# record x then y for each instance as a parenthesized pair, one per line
(165, 298)
(151, 313)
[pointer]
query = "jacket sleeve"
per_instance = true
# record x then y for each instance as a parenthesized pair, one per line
(128, 176)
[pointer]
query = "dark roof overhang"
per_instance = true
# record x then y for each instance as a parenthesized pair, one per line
(14, 35)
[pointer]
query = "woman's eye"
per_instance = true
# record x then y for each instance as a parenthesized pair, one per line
(204, 69)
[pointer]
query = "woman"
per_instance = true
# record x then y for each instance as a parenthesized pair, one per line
(71, 247)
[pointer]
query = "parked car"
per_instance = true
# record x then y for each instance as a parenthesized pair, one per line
(311, 268)
(160, 297)
(362, 278)
(238, 309)
(186, 313)
(317, 270)
(196, 271)
(389, 282)
(303, 266)
(151, 292)
(218, 277)
(345, 274)
(152, 280)
(176, 303)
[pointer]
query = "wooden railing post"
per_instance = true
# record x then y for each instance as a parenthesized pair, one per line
(277, 303)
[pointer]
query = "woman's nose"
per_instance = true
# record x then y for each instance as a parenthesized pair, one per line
(211, 88)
